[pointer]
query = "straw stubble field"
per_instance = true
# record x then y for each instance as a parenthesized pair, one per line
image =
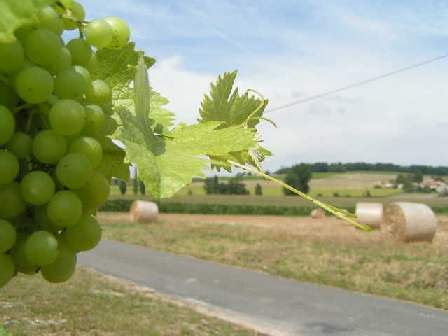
(95, 304)
(326, 251)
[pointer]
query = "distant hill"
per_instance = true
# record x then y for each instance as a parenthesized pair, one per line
(324, 167)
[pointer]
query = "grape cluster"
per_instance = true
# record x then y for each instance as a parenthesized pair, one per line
(54, 123)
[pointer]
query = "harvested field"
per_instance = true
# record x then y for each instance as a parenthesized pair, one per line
(95, 304)
(327, 251)
(322, 228)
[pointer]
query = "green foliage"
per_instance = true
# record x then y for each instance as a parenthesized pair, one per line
(324, 167)
(367, 193)
(135, 186)
(169, 158)
(122, 186)
(142, 187)
(234, 186)
(298, 177)
(258, 190)
(204, 208)
(112, 163)
(227, 105)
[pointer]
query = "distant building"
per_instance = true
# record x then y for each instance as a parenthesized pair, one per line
(432, 184)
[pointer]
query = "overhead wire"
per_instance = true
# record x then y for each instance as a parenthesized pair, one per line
(357, 84)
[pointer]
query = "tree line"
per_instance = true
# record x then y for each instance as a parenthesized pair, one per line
(323, 167)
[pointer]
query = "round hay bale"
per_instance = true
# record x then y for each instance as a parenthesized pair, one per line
(370, 214)
(144, 212)
(318, 214)
(410, 222)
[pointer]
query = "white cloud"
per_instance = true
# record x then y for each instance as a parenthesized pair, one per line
(183, 88)
(394, 120)
(402, 119)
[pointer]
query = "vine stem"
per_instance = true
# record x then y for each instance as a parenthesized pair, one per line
(340, 213)
(29, 121)
(260, 106)
(22, 107)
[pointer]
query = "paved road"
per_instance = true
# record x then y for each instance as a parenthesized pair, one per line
(271, 303)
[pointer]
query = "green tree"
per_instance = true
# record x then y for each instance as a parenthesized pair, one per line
(258, 190)
(142, 187)
(135, 186)
(211, 185)
(122, 186)
(298, 177)
(418, 177)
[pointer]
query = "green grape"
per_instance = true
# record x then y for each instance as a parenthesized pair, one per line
(121, 32)
(53, 100)
(37, 187)
(7, 125)
(12, 56)
(93, 63)
(42, 47)
(49, 147)
(49, 19)
(77, 12)
(83, 72)
(109, 127)
(95, 120)
(40, 218)
(85, 235)
(7, 269)
(11, 201)
(8, 236)
(67, 117)
(95, 192)
(8, 96)
(99, 93)
(63, 267)
(9, 167)
(81, 51)
(64, 209)
(88, 146)
(41, 248)
(67, 3)
(21, 144)
(63, 62)
(99, 33)
(23, 265)
(34, 85)
(74, 170)
(107, 109)
(69, 84)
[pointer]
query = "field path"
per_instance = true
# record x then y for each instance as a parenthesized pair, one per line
(273, 305)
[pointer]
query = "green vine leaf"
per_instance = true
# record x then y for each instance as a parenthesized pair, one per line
(112, 163)
(226, 104)
(169, 160)
(118, 68)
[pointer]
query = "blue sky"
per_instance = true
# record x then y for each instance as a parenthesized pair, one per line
(292, 49)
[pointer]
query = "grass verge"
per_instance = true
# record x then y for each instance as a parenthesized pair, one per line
(93, 304)
(326, 252)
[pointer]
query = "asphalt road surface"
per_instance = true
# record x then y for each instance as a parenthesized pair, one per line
(274, 305)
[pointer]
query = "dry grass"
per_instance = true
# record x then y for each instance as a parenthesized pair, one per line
(93, 304)
(323, 251)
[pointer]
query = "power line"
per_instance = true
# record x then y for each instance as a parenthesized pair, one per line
(357, 84)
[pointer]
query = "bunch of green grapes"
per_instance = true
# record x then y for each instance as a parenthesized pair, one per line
(54, 122)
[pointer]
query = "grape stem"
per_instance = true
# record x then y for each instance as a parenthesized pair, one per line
(29, 121)
(22, 107)
(340, 213)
